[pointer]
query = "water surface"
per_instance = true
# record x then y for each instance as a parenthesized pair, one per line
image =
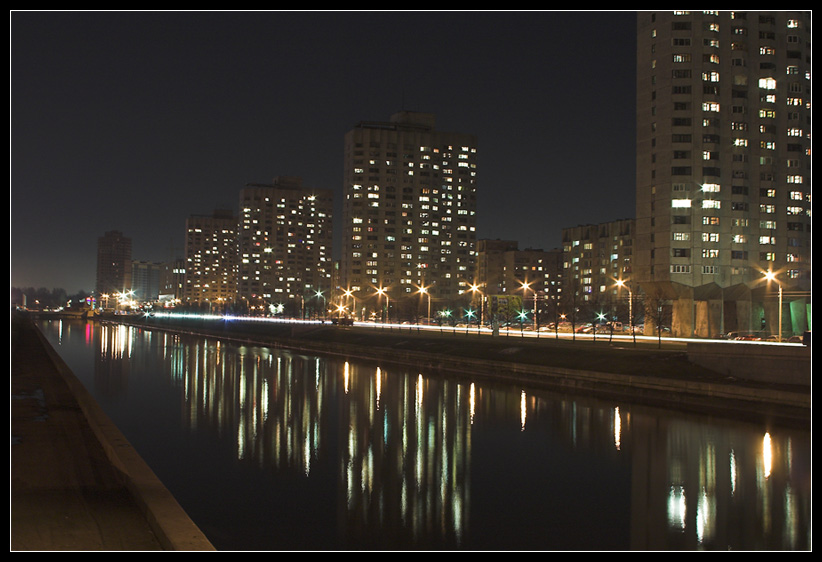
(268, 449)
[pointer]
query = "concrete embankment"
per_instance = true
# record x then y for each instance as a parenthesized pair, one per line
(646, 373)
(76, 482)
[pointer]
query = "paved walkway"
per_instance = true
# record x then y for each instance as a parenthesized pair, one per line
(76, 484)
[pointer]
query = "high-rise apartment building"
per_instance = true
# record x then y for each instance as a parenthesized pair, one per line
(597, 257)
(409, 209)
(285, 245)
(145, 281)
(211, 259)
(724, 167)
(113, 264)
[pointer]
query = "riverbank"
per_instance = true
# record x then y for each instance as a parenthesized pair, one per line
(619, 369)
(76, 484)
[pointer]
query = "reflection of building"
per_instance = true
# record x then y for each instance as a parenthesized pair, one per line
(409, 208)
(723, 165)
(695, 488)
(285, 242)
(211, 258)
(113, 263)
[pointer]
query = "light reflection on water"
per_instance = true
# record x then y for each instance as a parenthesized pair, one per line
(272, 450)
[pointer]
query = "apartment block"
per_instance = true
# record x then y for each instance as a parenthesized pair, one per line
(409, 209)
(211, 259)
(534, 275)
(285, 245)
(113, 264)
(596, 257)
(723, 165)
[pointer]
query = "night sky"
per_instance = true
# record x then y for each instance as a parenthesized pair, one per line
(134, 121)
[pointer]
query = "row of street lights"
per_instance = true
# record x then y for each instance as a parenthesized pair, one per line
(621, 283)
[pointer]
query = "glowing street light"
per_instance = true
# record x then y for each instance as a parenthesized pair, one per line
(319, 295)
(425, 291)
(476, 289)
(384, 293)
(525, 287)
(771, 276)
(350, 294)
(621, 283)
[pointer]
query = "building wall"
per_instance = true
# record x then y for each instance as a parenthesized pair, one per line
(723, 153)
(211, 258)
(596, 257)
(409, 213)
(503, 270)
(285, 243)
(145, 281)
(113, 263)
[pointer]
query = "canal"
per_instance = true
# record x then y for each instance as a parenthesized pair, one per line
(268, 449)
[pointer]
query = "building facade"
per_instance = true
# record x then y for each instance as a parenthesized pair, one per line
(113, 266)
(285, 246)
(145, 281)
(211, 259)
(533, 275)
(597, 257)
(723, 189)
(409, 210)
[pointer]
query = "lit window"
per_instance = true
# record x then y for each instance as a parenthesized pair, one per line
(767, 83)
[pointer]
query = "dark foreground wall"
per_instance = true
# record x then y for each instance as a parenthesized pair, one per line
(755, 362)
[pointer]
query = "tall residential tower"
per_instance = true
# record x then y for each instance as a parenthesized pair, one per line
(285, 243)
(211, 259)
(410, 197)
(724, 167)
(113, 265)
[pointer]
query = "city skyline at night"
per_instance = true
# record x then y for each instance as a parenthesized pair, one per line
(134, 121)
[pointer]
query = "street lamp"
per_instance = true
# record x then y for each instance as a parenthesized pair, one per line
(621, 283)
(319, 295)
(771, 276)
(470, 315)
(475, 289)
(383, 292)
(348, 293)
(525, 287)
(425, 291)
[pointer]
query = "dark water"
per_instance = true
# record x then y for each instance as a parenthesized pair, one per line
(273, 450)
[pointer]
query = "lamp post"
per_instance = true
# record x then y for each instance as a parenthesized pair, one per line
(475, 289)
(770, 276)
(525, 287)
(425, 291)
(384, 293)
(348, 293)
(319, 295)
(621, 283)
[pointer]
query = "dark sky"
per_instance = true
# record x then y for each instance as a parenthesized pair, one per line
(134, 121)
